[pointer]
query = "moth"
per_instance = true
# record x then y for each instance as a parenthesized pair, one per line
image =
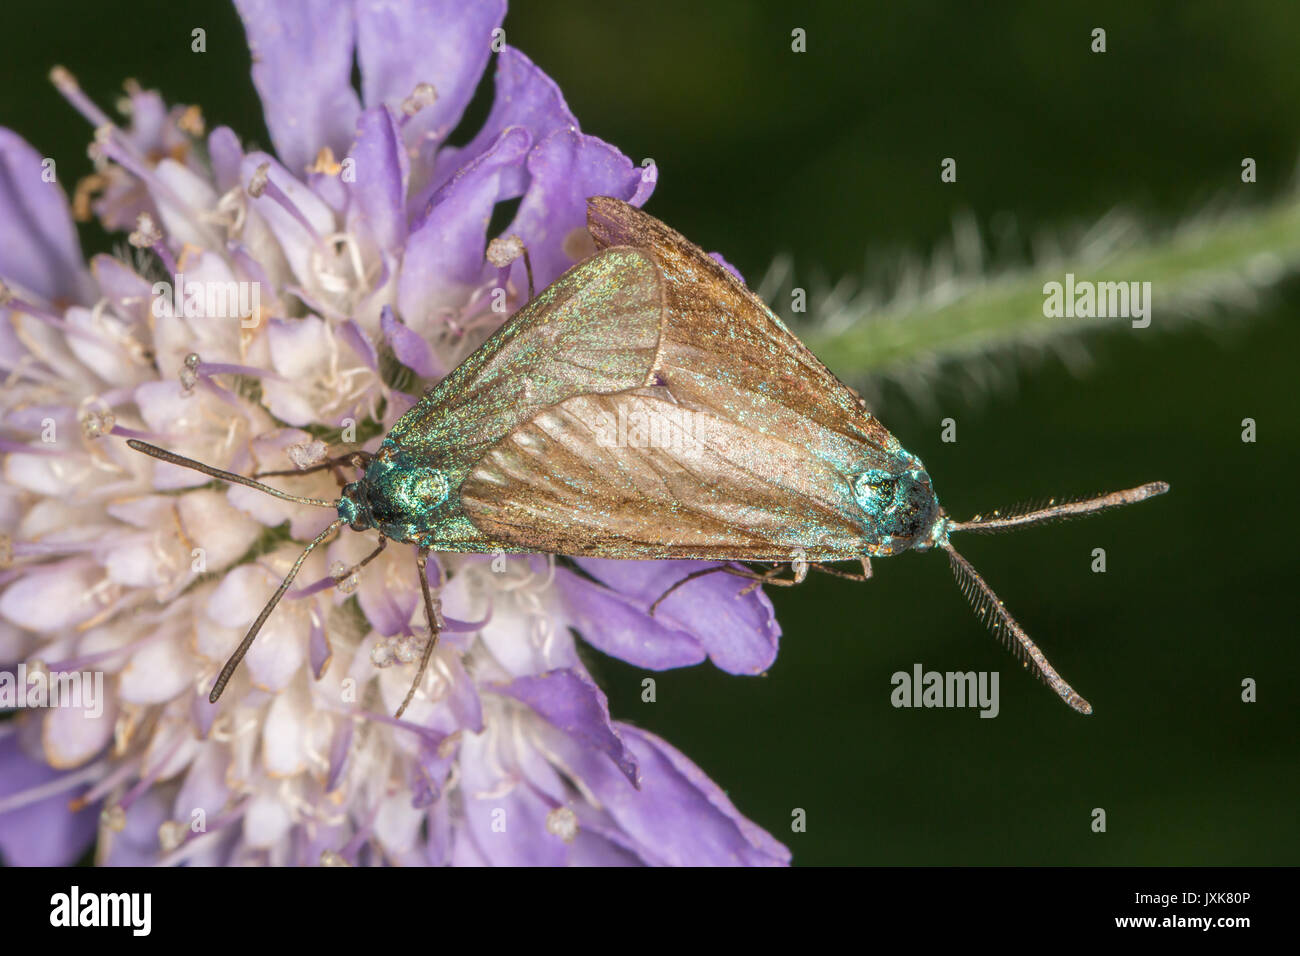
(648, 405)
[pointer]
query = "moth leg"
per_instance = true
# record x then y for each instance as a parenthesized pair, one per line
(504, 250)
(767, 577)
(357, 459)
(690, 577)
(848, 575)
(528, 268)
(770, 577)
(344, 575)
(433, 617)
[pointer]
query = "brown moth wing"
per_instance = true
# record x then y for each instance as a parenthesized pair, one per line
(722, 348)
(595, 329)
(637, 475)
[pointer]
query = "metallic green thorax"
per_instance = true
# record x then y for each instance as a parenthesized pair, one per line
(406, 498)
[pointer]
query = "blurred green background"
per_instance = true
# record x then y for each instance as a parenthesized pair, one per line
(825, 155)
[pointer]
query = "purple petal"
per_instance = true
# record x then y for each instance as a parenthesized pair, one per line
(593, 849)
(507, 823)
(226, 155)
(387, 609)
(39, 250)
(47, 832)
(411, 349)
(677, 776)
(382, 170)
(203, 713)
(443, 42)
(621, 628)
(679, 817)
(355, 337)
(717, 257)
(430, 770)
(525, 96)
(302, 68)
(462, 695)
(441, 835)
(740, 634)
(570, 701)
(319, 651)
(52, 596)
(567, 168)
(444, 256)
(137, 843)
(340, 750)
(126, 290)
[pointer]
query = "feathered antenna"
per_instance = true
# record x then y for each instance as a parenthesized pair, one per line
(1058, 509)
(357, 459)
(995, 616)
(173, 459)
(229, 669)
(990, 609)
(153, 451)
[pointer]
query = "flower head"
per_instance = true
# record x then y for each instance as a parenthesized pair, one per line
(272, 310)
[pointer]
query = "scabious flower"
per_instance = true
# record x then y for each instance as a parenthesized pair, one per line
(269, 308)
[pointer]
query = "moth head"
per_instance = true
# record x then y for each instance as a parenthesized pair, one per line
(354, 508)
(397, 495)
(899, 505)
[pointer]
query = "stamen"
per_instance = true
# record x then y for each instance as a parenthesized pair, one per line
(14, 303)
(106, 784)
(563, 823)
(225, 368)
(20, 448)
(504, 250)
(304, 454)
(71, 91)
(422, 96)
(230, 212)
(191, 121)
(86, 661)
(345, 578)
(147, 235)
(111, 146)
(259, 184)
(343, 247)
(88, 187)
(194, 842)
(325, 163)
(96, 417)
(113, 818)
(171, 834)
(189, 373)
(53, 787)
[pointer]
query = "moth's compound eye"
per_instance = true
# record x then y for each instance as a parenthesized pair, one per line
(912, 511)
(899, 507)
(875, 490)
(352, 508)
